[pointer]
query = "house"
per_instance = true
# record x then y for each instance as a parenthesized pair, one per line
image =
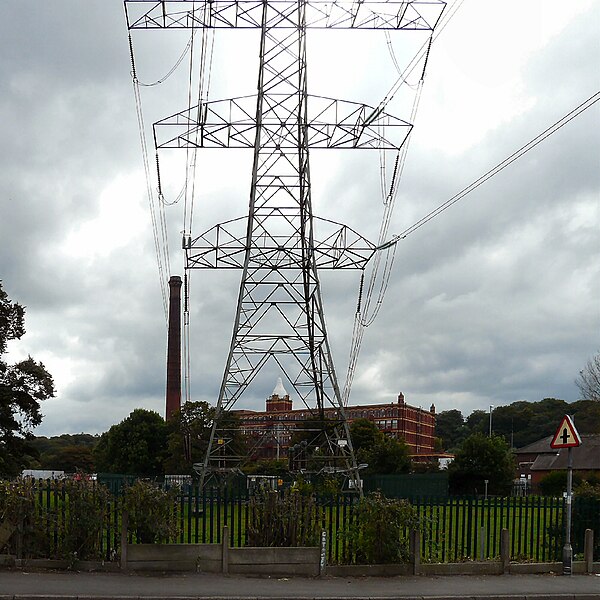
(538, 459)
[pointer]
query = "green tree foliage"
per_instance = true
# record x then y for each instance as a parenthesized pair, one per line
(389, 456)
(72, 459)
(136, 446)
(384, 455)
(479, 458)
(188, 436)
(478, 422)
(364, 434)
(522, 423)
(587, 415)
(450, 427)
(67, 452)
(22, 387)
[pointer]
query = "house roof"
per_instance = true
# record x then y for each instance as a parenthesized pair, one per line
(585, 457)
(538, 447)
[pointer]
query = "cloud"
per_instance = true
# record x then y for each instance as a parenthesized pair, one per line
(491, 302)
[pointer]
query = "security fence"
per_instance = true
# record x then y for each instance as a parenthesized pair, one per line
(57, 521)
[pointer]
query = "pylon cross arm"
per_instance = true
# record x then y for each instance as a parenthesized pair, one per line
(224, 247)
(331, 124)
(247, 14)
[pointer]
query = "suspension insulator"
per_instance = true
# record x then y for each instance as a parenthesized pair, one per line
(360, 292)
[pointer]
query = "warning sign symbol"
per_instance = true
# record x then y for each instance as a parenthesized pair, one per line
(566, 435)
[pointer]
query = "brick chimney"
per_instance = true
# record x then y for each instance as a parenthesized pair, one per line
(173, 398)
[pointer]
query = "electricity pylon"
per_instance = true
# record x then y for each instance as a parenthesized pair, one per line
(279, 313)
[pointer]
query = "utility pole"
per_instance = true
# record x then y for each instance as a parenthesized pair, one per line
(279, 317)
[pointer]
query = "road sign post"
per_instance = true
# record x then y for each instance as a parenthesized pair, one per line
(566, 436)
(567, 548)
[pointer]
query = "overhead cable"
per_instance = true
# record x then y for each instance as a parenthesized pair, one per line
(159, 230)
(495, 170)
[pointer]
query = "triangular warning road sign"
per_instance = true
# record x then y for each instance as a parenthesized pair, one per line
(566, 435)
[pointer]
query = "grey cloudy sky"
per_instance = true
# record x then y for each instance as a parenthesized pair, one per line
(496, 300)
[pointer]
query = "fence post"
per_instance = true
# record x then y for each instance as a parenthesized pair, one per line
(225, 550)
(588, 551)
(482, 543)
(20, 528)
(124, 528)
(415, 551)
(505, 550)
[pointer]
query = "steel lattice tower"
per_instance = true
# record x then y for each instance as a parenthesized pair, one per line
(279, 313)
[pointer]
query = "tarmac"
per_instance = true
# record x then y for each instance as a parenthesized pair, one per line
(69, 585)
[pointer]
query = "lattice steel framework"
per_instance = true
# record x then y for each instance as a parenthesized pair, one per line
(279, 313)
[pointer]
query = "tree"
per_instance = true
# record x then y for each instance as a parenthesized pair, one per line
(450, 427)
(72, 459)
(588, 381)
(383, 454)
(481, 457)
(364, 434)
(478, 422)
(189, 433)
(389, 456)
(22, 387)
(136, 446)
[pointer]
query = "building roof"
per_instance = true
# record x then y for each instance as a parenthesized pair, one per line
(585, 457)
(279, 389)
(541, 446)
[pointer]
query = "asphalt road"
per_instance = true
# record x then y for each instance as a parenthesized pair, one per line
(23, 585)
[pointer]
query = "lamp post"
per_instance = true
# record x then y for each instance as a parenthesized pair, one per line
(491, 409)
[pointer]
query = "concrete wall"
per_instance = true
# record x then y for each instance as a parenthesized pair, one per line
(217, 558)
(175, 557)
(302, 562)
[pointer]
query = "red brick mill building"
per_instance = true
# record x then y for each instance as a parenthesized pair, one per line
(396, 419)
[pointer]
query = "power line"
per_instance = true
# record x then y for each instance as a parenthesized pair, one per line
(494, 171)
(157, 216)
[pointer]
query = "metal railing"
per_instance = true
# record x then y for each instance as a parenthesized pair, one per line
(452, 529)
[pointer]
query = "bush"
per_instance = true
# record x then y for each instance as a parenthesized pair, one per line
(17, 509)
(77, 512)
(152, 512)
(555, 483)
(586, 515)
(286, 518)
(86, 514)
(379, 534)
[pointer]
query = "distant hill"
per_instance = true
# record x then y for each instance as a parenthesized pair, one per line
(66, 452)
(520, 423)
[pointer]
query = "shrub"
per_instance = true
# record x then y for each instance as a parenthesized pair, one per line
(286, 518)
(380, 532)
(152, 512)
(17, 510)
(86, 514)
(586, 515)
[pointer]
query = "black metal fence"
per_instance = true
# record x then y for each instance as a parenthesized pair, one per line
(452, 529)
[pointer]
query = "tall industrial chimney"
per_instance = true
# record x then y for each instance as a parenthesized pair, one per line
(174, 348)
